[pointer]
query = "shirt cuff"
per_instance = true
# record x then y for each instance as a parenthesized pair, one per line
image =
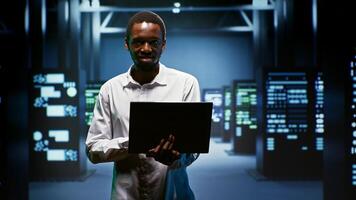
(116, 143)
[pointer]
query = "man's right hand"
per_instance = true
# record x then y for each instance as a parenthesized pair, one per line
(164, 152)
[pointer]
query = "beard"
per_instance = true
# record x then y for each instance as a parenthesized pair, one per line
(146, 67)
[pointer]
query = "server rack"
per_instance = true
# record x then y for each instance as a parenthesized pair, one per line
(91, 93)
(291, 137)
(57, 130)
(244, 116)
(227, 99)
(351, 135)
(215, 96)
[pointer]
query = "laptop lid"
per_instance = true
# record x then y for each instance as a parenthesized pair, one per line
(189, 122)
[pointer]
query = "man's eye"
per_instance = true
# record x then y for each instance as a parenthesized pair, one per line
(154, 43)
(137, 42)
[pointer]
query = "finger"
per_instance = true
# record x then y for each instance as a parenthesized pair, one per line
(173, 141)
(168, 143)
(150, 153)
(162, 141)
(158, 147)
(176, 153)
(173, 138)
(170, 147)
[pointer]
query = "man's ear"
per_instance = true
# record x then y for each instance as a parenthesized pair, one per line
(163, 45)
(126, 43)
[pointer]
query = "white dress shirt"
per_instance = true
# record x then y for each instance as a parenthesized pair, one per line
(135, 175)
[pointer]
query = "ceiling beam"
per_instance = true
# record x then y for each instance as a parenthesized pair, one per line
(110, 30)
(112, 9)
(246, 19)
(107, 20)
(86, 8)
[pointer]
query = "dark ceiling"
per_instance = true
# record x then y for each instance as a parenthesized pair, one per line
(189, 20)
(184, 21)
(192, 20)
(169, 3)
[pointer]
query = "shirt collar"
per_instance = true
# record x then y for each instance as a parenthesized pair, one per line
(159, 80)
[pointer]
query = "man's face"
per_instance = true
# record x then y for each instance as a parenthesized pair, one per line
(145, 45)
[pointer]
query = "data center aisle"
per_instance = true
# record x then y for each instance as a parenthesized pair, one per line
(213, 176)
(219, 176)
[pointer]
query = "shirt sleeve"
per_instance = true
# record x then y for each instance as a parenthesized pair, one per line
(100, 145)
(185, 160)
(191, 90)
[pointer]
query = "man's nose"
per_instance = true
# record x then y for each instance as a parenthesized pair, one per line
(146, 47)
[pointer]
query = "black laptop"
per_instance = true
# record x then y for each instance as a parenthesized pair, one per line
(189, 122)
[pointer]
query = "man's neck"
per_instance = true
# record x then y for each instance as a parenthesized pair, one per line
(143, 77)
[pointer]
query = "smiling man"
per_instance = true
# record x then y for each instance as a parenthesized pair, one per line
(161, 172)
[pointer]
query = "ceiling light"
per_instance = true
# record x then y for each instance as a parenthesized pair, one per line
(176, 4)
(176, 10)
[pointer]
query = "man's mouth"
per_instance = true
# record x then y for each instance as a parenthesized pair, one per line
(145, 57)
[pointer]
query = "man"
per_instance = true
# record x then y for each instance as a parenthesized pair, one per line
(161, 173)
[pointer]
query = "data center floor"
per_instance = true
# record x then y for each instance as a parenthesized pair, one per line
(216, 175)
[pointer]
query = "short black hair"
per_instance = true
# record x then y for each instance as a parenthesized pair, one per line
(146, 16)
